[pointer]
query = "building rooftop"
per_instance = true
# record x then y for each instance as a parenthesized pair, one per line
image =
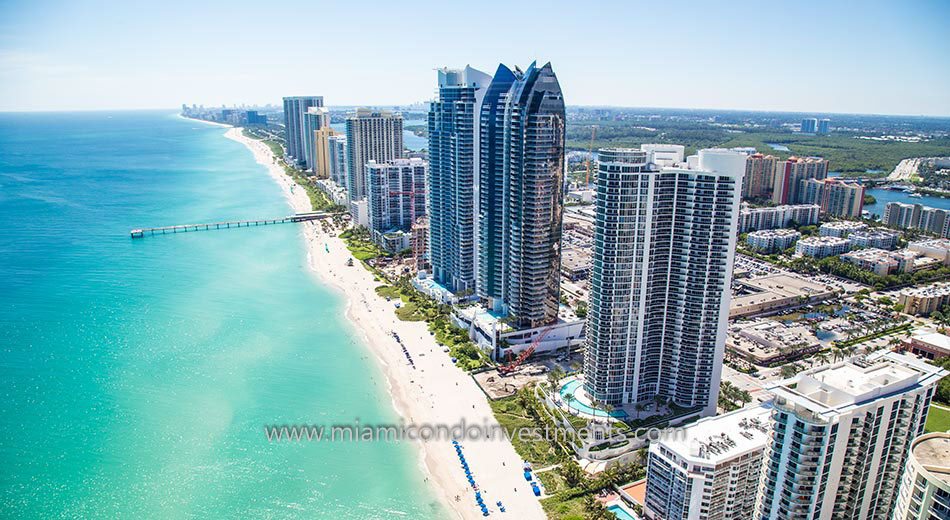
(933, 453)
(932, 338)
(844, 225)
(870, 254)
(869, 233)
(834, 389)
(716, 439)
(824, 240)
(575, 259)
(928, 291)
(934, 242)
(786, 207)
(765, 233)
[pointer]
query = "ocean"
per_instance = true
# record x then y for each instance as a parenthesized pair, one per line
(137, 376)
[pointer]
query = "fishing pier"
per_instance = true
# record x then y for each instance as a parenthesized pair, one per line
(190, 228)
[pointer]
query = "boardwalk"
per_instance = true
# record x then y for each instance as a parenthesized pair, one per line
(187, 228)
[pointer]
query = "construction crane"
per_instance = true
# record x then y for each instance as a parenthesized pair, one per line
(525, 354)
(590, 153)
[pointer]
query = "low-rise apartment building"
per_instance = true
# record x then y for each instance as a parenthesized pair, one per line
(772, 240)
(822, 246)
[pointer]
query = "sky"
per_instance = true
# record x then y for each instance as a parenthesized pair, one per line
(827, 56)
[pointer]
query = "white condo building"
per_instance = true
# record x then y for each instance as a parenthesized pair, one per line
(822, 246)
(371, 135)
(841, 228)
(709, 470)
(396, 197)
(772, 240)
(841, 437)
(757, 219)
(664, 244)
(925, 487)
(337, 151)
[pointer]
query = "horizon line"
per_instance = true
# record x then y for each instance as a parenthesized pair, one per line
(756, 110)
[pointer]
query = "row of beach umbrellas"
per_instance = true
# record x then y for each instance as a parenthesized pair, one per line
(471, 480)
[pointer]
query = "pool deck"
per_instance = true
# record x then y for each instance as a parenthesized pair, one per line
(581, 404)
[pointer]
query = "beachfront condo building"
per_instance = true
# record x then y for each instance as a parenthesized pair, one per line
(453, 163)
(664, 245)
(521, 185)
(835, 197)
(396, 197)
(759, 176)
(925, 486)
(336, 145)
(315, 119)
(824, 126)
(295, 108)
(371, 135)
(321, 152)
(710, 469)
(789, 174)
(841, 437)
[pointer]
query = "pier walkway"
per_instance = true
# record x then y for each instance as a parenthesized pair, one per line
(187, 228)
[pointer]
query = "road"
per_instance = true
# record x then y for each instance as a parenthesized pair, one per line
(905, 170)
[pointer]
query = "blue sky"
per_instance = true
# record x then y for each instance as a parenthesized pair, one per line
(816, 56)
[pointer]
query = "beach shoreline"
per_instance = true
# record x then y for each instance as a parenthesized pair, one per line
(432, 392)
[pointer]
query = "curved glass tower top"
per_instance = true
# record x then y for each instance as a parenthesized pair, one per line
(521, 191)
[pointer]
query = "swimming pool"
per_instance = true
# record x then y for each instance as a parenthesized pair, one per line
(620, 512)
(571, 388)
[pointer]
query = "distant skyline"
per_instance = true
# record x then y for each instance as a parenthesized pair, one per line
(876, 57)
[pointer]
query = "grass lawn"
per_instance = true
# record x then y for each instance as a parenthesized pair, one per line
(512, 416)
(363, 251)
(409, 311)
(558, 509)
(552, 480)
(938, 420)
(388, 291)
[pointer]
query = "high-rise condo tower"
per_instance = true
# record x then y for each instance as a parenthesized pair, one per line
(453, 169)
(295, 108)
(664, 243)
(371, 135)
(521, 186)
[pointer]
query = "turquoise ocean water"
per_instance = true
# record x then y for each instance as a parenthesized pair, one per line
(136, 376)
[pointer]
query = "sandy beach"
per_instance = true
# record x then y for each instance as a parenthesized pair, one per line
(434, 392)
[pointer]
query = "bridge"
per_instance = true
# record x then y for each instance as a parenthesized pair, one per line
(188, 228)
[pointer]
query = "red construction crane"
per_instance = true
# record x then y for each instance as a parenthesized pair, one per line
(525, 354)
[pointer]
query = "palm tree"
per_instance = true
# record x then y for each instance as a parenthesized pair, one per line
(568, 399)
(789, 370)
(611, 476)
(822, 358)
(553, 377)
(640, 407)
